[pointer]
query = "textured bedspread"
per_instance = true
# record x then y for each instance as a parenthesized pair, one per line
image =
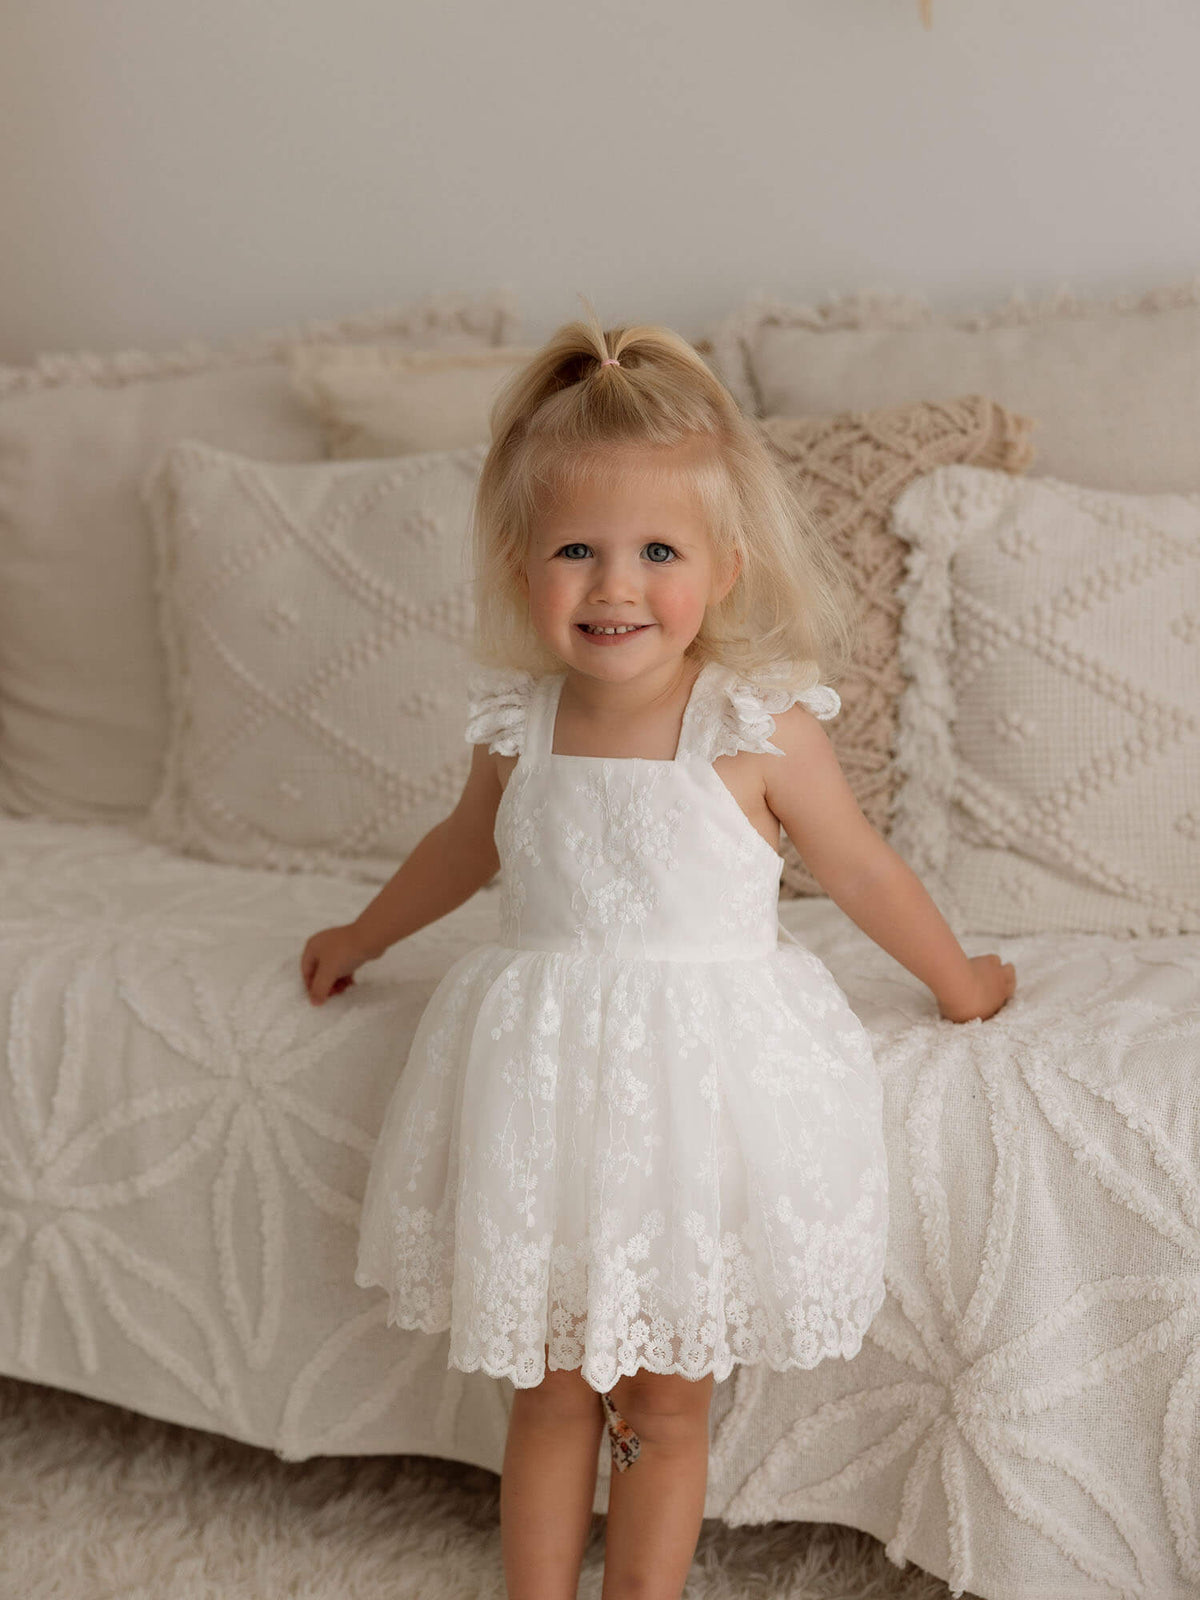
(184, 1142)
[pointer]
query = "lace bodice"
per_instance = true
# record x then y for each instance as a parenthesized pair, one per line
(627, 855)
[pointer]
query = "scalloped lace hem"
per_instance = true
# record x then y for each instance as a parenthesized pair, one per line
(846, 1344)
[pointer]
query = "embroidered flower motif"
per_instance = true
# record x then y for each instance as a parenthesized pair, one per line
(617, 887)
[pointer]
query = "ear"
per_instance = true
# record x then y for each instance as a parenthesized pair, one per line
(732, 572)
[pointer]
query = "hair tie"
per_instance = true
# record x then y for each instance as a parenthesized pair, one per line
(610, 361)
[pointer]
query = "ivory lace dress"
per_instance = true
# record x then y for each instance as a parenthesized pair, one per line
(639, 1129)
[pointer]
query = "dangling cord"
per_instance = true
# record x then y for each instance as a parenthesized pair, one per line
(622, 1441)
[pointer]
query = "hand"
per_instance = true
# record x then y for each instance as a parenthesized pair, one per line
(328, 962)
(994, 983)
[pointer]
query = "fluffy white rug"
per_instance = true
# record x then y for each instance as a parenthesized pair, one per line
(99, 1503)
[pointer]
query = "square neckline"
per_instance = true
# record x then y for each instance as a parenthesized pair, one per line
(690, 711)
(647, 761)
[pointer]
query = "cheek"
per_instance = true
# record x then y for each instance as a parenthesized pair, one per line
(679, 604)
(553, 592)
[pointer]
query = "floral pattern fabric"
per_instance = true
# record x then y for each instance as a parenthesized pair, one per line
(637, 1130)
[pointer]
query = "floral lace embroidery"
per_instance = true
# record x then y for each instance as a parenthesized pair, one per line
(658, 1130)
(793, 1271)
(616, 888)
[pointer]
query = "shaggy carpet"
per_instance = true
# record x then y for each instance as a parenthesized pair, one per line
(99, 1503)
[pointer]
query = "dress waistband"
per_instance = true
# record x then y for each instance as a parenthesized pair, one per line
(651, 950)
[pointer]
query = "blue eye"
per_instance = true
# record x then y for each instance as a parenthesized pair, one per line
(655, 544)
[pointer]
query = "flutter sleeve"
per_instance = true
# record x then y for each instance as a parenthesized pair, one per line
(751, 706)
(497, 708)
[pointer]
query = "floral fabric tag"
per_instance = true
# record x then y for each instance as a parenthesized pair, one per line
(623, 1442)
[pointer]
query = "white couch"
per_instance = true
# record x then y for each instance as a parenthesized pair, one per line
(184, 1142)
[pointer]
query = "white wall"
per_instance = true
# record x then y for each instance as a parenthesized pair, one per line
(175, 170)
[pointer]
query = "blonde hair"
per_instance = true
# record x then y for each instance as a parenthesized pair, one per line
(564, 419)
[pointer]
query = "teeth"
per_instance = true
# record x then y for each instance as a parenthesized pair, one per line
(623, 629)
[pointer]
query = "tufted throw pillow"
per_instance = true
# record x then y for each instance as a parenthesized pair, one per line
(849, 468)
(316, 619)
(1050, 735)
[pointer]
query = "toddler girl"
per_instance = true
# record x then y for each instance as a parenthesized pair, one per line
(638, 1139)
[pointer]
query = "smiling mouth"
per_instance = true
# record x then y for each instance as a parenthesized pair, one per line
(622, 628)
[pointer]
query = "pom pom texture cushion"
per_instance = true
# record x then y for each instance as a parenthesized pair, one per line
(1050, 735)
(315, 618)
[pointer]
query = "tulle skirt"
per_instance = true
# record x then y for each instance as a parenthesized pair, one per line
(664, 1165)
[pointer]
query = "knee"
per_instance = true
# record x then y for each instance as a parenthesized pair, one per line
(663, 1406)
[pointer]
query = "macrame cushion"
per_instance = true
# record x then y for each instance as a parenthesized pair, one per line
(316, 618)
(83, 681)
(1050, 735)
(848, 469)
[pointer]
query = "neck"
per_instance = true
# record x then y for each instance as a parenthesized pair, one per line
(652, 691)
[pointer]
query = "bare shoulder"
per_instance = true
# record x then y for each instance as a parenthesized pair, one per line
(799, 732)
(808, 791)
(474, 817)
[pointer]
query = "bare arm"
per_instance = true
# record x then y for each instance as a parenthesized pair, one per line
(453, 860)
(863, 875)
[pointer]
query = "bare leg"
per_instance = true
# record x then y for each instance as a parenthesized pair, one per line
(547, 1485)
(656, 1508)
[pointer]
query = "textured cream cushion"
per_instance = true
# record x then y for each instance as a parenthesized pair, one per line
(376, 400)
(1114, 389)
(83, 706)
(316, 619)
(849, 468)
(1050, 734)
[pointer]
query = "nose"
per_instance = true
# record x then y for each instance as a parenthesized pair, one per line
(615, 579)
